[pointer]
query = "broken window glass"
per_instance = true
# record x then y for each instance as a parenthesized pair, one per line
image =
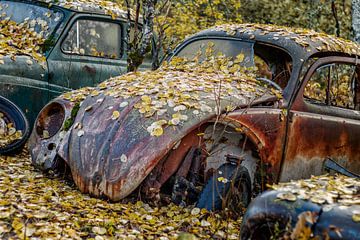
(94, 38)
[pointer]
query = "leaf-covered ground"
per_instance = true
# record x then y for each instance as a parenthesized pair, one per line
(41, 206)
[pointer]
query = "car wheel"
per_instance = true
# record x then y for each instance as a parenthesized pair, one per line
(12, 114)
(229, 187)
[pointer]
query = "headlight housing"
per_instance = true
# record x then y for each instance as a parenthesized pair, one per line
(50, 120)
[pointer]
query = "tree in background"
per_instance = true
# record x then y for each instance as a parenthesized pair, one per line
(140, 21)
(187, 17)
(330, 16)
(170, 22)
(356, 19)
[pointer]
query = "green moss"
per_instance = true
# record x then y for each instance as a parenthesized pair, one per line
(70, 121)
(134, 61)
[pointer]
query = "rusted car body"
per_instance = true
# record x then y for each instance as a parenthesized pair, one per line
(78, 44)
(274, 138)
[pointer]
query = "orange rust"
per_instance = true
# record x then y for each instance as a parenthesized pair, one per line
(266, 129)
(170, 164)
(318, 131)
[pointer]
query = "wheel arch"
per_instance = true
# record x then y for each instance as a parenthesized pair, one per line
(172, 160)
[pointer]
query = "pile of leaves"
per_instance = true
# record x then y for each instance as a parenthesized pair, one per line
(182, 90)
(304, 37)
(325, 190)
(8, 132)
(19, 39)
(33, 205)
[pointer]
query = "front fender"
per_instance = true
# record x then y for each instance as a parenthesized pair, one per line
(110, 158)
(44, 150)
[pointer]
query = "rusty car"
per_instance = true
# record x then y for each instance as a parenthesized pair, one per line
(322, 207)
(51, 47)
(235, 108)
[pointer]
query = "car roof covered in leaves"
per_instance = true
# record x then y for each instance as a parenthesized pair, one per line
(303, 41)
(115, 10)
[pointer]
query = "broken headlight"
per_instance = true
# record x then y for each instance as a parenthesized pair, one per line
(50, 120)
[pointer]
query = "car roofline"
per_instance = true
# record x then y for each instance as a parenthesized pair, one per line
(121, 15)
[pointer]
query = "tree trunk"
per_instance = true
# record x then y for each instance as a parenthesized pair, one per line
(356, 19)
(140, 44)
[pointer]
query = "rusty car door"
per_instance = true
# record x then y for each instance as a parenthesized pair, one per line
(324, 119)
(89, 51)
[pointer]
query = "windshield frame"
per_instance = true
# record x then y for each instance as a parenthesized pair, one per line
(297, 57)
(187, 42)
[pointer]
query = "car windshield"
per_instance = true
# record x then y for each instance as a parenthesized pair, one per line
(229, 48)
(268, 63)
(39, 19)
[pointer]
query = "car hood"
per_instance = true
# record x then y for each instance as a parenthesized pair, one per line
(22, 66)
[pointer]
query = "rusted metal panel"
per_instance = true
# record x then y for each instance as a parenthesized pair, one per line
(269, 129)
(171, 163)
(313, 137)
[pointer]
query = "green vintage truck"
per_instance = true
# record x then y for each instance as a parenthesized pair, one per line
(50, 47)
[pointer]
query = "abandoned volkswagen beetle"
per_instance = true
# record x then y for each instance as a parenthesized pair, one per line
(259, 104)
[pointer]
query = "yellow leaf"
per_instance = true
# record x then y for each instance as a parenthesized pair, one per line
(115, 115)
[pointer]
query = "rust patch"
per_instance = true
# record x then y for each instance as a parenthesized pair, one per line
(266, 129)
(170, 164)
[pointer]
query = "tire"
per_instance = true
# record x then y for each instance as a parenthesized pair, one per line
(217, 195)
(263, 228)
(13, 114)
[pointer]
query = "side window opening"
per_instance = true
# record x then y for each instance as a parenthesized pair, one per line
(94, 38)
(279, 63)
(316, 88)
(335, 85)
(342, 88)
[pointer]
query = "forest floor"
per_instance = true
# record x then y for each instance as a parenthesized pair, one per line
(34, 205)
